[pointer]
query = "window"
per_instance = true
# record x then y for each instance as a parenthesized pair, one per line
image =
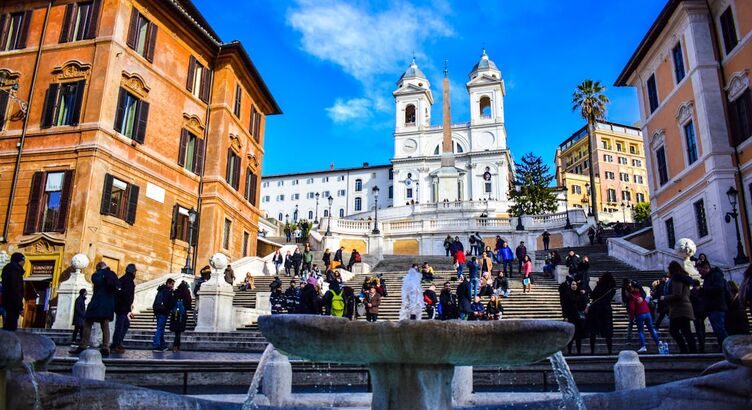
(637, 163)
(391, 191)
(341, 192)
(728, 30)
(358, 204)
(391, 174)
(62, 105)
(232, 172)
(576, 189)
(623, 176)
(652, 94)
(633, 150)
(689, 135)
(660, 159)
(280, 183)
(700, 220)
(605, 144)
(340, 177)
(611, 195)
(226, 234)
(119, 199)
(295, 182)
(191, 152)
(678, 62)
(4, 97)
(608, 158)
(265, 198)
(619, 147)
(251, 186)
(610, 175)
(325, 179)
(80, 21)
(358, 185)
(341, 212)
(485, 107)
(199, 78)
(670, 234)
(410, 115)
(740, 113)
(279, 216)
(131, 116)
(142, 35)
(325, 194)
(181, 225)
(255, 125)
(309, 181)
(638, 179)
(280, 197)
(14, 29)
(409, 193)
(265, 184)
(246, 240)
(640, 197)
(295, 197)
(326, 213)
(488, 188)
(238, 100)
(310, 215)
(49, 201)
(623, 160)
(310, 195)
(626, 196)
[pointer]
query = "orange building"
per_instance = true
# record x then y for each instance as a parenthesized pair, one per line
(691, 72)
(116, 118)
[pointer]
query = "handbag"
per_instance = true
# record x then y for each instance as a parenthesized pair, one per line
(361, 309)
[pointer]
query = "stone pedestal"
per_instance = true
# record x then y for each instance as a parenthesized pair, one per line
(629, 373)
(376, 245)
(448, 183)
(277, 379)
(215, 312)
(89, 365)
(410, 386)
(561, 273)
(67, 293)
(462, 384)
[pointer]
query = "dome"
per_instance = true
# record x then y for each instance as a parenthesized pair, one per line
(413, 72)
(484, 64)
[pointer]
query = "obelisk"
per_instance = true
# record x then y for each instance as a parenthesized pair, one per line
(448, 175)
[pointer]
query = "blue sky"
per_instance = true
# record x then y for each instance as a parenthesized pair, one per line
(332, 66)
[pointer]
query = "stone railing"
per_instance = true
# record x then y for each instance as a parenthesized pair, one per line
(256, 265)
(576, 216)
(413, 210)
(146, 292)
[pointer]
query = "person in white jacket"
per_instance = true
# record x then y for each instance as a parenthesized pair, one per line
(412, 295)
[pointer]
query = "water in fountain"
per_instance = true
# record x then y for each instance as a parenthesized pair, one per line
(570, 394)
(250, 399)
(30, 370)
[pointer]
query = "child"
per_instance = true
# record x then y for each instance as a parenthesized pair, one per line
(527, 270)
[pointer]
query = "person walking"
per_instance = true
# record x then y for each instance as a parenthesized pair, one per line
(288, 232)
(79, 311)
(162, 307)
(698, 309)
(101, 308)
(546, 239)
(126, 289)
(277, 260)
(229, 275)
(373, 301)
(12, 277)
(573, 263)
(639, 312)
(334, 301)
(464, 298)
(659, 289)
(527, 274)
(292, 297)
(431, 300)
(600, 317)
(288, 264)
(680, 308)
(297, 261)
(714, 295)
(591, 235)
(507, 257)
(327, 258)
(497, 248)
(520, 252)
(459, 261)
(181, 304)
(473, 240)
(573, 304)
(307, 258)
(448, 245)
(457, 246)
(583, 273)
(474, 275)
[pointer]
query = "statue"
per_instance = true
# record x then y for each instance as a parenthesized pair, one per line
(412, 296)
(686, 248)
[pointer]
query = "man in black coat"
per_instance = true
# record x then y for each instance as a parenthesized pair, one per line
(310, 301)
(714, 294)
(79, 311)
(101, 308)
(464, 298)
(123, 305)
(13, 274)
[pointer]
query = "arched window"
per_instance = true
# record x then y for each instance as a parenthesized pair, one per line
(485, 107)
(279, 217)
(456, 148)
(310, 215)
(326, 213)
(410, 115)
(358, 204)
(342, 212)
(358, 185)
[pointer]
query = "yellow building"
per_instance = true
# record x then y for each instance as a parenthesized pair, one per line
(619, 165)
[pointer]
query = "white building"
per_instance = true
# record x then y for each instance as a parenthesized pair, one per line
(351, 190)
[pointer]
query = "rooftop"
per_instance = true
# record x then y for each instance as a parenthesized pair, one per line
(602, 126)
(365, 166)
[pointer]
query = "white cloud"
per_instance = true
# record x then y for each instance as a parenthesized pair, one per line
(352, 109)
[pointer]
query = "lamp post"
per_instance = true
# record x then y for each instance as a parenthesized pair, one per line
(624, 207)
(565, 191)
(187, 269)
(295, 214)
(520, 227)
(590, 208)
(329, 225)
(375, 191)
(287, 219)
(732, 194)
(316, 221)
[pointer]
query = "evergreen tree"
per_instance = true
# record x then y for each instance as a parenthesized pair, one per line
(533, 179)
(641, 212)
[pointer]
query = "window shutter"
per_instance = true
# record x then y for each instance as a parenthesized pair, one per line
(174, 227)
(3, 109)
(205, 84)
(120, 111)
(247, 193)
(198, 161)
(196, 224)
(24, 31)
(35, 199)
(228, 168)
(132, 29)
(65, 29)
(3, 31)
(104, 209)
(65, 198)
(191, 73)
(151, 42)
(254, 185)
(130, 217)
(184, 137)
(91, 31)
(236, 182)
(50, 100)
(142, 116)
(78, 100)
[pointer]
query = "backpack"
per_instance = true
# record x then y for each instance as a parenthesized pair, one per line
(161, 301)
(472, 239)
(357, 258)
(178, 312)
(338, 303)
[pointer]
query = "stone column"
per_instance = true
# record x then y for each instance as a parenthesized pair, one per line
(277, 379)
(629, 373)
(215, 311)
(68, 292)
(462, 384)
(89, 365)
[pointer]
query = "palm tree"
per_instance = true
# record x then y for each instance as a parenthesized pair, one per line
(589, 99)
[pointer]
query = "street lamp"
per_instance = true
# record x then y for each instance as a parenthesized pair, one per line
(316, 221)
(732, 196)
(13, 89)
(590, 208)
(565, 190)
(192, 214)
(287, 219)
(329, 225)
(520, 227)
(624, 207)
(417, 192)
(375, 191)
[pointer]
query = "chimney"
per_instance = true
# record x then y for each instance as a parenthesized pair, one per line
(365, 165)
